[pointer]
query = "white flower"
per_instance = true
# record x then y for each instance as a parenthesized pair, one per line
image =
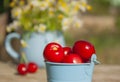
(66, 23)
(51, 1)
(83, 8)
(16, 24)
(27, 8)
(83, 5)
(64, 7)
(16, 12)
(43, 5)
(40, 28)
(48, 12)
(9, 28)
(78, 23)
(79, 5)
(51, 11)
(13, 26)
(34, 3)
(23, 43)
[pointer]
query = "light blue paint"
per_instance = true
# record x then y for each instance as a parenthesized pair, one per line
(64, 72)
(36, 44)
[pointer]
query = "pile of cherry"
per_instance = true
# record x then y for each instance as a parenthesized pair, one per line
(80, 52)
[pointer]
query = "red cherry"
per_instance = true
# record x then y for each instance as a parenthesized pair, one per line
(72, 58)
(32, 67)
(53, 52)
(84, 49)
(67, 50)
(22, 69)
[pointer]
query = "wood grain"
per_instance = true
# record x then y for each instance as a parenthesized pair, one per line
(102, 73)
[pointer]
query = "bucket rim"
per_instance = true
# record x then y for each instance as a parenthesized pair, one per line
(68, 64)
(93, 61)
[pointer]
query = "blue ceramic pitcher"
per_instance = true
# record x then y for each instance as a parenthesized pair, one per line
(36, 44)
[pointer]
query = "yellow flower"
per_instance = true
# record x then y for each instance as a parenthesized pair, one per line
(16, 12)
(50, 1)
(34, 3)
(77, 7)
(23, 43)
(9, 29)
(12, 26)
(37, 15)
(40, 28)
(22, 2)
(63, 6)
(89, 7)
(51, 11)
(60, 16)
(84, 4)
(66, 23)
(78, 24)
(27, 25)
(12, 4)
(43, 5)
(27, 8)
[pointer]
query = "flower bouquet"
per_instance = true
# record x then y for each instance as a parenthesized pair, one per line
(46, 15)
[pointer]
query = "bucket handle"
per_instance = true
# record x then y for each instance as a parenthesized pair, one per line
(94, 59)
(89, 69)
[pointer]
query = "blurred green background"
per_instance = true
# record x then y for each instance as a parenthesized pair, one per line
(105, 35)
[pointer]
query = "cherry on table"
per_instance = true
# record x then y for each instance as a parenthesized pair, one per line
(32, 67)
(22, 69)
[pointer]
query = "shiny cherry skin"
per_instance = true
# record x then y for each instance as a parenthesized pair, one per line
(84, 49)
(53, 52)
(67, 50)
(22, 69)
(32, 67)
(72, 58)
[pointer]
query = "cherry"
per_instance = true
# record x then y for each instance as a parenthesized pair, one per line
(53, 52)
(32, 67)
(22, 69)
(67, 50)
(84, 49)
(72, 58)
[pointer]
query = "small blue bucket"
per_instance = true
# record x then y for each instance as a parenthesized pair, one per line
(64, 72)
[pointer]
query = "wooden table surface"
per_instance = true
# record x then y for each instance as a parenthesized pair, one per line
(102, 73)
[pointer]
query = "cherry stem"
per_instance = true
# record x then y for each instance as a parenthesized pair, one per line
(23, 58)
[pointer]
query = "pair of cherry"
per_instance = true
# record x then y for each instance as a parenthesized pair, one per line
(23, 68)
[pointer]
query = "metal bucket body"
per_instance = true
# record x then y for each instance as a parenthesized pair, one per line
(64, 72)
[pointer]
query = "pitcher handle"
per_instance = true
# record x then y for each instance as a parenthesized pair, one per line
(9, 47)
